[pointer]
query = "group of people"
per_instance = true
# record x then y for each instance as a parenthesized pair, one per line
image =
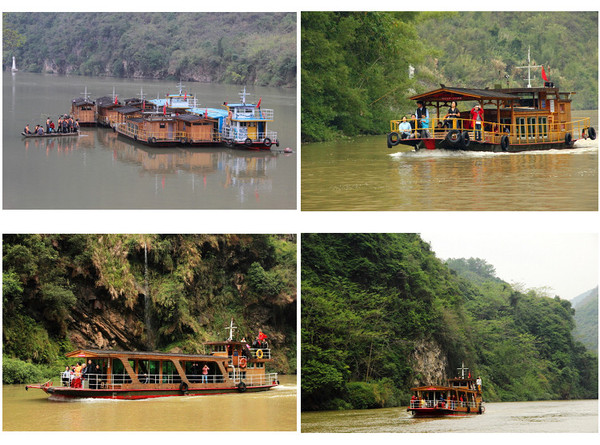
(419, 121)
(65, 124)
(82, 375)
(452, 402)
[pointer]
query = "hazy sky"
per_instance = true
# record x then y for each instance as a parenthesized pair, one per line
(565, 262)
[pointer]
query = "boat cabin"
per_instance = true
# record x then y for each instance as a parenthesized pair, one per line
(126, 112)
(83, 110)
(106, 113)
(152, 129)
(198, 129)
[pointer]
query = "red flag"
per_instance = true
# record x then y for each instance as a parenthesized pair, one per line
(261, 336)
(185, 96)
(258, 104)
(116, 101)
(206, 113)
(144, 105)
(165, 108)
(544, 74)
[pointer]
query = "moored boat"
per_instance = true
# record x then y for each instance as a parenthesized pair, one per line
(461, 396)
(508, 120)
(246, 125)
(49, 135)
(230, 367)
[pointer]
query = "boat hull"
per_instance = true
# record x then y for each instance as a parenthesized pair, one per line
(443, 412)
(49, 135)
(481, 146)
(67, 393)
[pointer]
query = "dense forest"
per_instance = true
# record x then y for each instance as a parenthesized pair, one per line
(241, 48)
(586, 319)
(381, 314)
(359, 68)
(142, 292)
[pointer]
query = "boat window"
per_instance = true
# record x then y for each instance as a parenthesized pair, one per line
(543, 127)
(169, 372)
(162, 125)
(521, 133)
(119, 375)
(148, 371)
(531, 127)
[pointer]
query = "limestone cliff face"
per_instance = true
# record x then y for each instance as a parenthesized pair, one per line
(429, 363)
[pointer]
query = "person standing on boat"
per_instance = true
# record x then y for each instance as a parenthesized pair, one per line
(59, 125)
(478, 381)
(422, 118)
(48, 125)
(205, 373)
(452, 115)
(477, 118)
(66, 376)
(405, 128)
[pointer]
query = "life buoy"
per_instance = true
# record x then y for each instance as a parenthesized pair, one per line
(468, 408)
(454, 138)
(241, 387)
(135, 137)
(248, 142)
(592, 133)
(243, 362)
(504, 142)
(267, 142)
(276, 143)
(152, 140)
(466, 140)
(393, 139)
(568, 140)
(480, 409)
(183, 387)
(259, 353)
(184, 140)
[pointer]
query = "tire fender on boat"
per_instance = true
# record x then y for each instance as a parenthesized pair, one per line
(248, 142)
(568, 140)
(454, 138)
(592, 133)
(152, 140)
(183, 387)
(504, 142)
(393, 139)
(267, 142)
(241, 387)
(466, 140)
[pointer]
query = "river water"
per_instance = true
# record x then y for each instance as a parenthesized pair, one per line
(363, 174)
(578, 416)
(273, 410)
(100, 171)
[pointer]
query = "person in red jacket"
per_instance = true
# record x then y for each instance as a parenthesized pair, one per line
(477, 119)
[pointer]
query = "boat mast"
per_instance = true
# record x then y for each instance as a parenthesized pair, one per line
(230, 328)
(462, 369)
(529, 66)
(14, 65)
(243, 95)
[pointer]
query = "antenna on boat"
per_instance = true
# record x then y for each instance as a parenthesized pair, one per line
(230, 328)
(14, 65)
(86, 95)
(243, 95)
(462, 370)
(529, 66)
(180, 86)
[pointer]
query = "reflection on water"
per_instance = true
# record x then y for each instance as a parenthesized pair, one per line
(365, 175)
(273, 410)
(98, 169)
(577, 416)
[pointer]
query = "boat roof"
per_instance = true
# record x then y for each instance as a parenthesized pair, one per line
(127, 110)
(106, 101)
(79, 101)
(449, 94)
(214, 113)
(101, 353)
(190, 117)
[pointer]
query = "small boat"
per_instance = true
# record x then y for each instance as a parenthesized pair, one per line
(461, 396)
(514, 120)
(231, 367)
(246, 125)
(49, 135)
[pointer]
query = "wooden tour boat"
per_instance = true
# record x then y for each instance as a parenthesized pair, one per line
(246, 125)
(83, 110)
(461, 396)
(514, 120)
(232, 367)
(49, 135)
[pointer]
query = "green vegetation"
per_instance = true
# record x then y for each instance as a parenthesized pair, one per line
(240, 48)
(375, 305)
(586, 319)
(355, 65)
(61, 292)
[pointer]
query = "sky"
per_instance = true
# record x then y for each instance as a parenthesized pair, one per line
(567, 263)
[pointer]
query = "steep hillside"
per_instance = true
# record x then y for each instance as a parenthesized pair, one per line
(146, 292)
(380, 314)
(586, 319)
(242, 48)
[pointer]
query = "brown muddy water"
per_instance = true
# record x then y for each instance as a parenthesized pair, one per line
(577, 416)
(363, 174)
(273, 410)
